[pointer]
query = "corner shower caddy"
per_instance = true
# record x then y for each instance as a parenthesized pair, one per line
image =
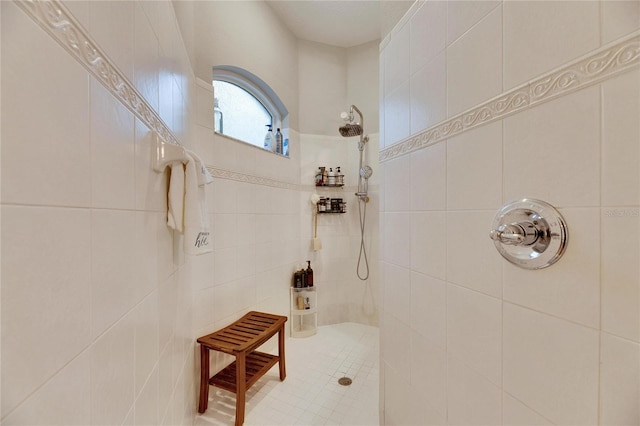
(304, 322)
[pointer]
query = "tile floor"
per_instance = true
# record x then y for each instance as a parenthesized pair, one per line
(311, 395)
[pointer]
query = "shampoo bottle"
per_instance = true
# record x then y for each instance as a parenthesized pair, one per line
(309, 275)
(279, 147)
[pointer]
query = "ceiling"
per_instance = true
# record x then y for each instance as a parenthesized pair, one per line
(342, 23)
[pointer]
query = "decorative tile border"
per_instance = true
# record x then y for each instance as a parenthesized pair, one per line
(56, 20)
(59, 22)
(593, 68)
(255, 180)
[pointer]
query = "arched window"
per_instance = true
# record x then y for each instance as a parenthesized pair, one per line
(245, 105)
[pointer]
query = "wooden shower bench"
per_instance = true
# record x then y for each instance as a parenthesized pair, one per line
(241, 339)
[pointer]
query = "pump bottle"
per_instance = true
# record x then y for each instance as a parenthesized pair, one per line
(268, 139)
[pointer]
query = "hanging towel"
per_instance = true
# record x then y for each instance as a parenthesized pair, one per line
(175, 197)
(197, 238)
(204, 177)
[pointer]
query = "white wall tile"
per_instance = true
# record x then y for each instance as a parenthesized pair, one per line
(397, 114)
(397, 292)
(619, 18)
(145, 58)
(472, 260)
(570, 288)
(397, 182)
(146, 406)
(620, 272)
(421, 413)
(539, 36)
(145, 267)
(551, 365)
(429, 308)
(112, 373)
(429, 94)
(112, 267)
(397, 399)
(471, 398)
(396, 61)
(112, 149)
(146, 340)
(429, 372)
(63, 400)
(428, 178)
(474, 331)
(621, 140)
(398, 339)
(474, 169)
(150, 186)
(515, 413)
(474, 65)
(463, 15)
(558, 130)
(48, 163)
(428, 237)
(397, 237)
(45, 274)
(428, 33)
(116, 44)
(619, 381)
(225, 229)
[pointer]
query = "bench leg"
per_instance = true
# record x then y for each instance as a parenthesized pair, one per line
(241, 387)
(204, 379)
(281, 363)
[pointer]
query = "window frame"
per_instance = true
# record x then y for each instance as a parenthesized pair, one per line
(257, 88)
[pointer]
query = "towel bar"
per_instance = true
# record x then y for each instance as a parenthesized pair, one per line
(165, 154)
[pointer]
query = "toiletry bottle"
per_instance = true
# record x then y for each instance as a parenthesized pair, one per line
(217, 116)
(332, 177)
(268, 139)
(325, 176)
(319, 176)
(285, 147)
(339, 176)
(279, 142)
(309, 275)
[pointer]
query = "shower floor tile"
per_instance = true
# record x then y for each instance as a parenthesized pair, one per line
(311, 395)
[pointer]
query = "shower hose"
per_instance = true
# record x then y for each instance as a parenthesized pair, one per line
(362, 210)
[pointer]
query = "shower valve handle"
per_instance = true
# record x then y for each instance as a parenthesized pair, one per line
(515, 234)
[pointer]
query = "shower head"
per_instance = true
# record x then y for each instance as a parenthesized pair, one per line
(350, 129)
(366, 172)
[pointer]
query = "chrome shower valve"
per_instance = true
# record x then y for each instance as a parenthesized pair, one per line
(529, 233)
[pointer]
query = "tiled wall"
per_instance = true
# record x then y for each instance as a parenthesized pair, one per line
(263, 228)
(484, 103)
(96, 294)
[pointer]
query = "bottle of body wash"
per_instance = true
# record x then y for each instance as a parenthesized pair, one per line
(268, 139)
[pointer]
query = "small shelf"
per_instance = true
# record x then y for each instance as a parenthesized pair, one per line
(304, 322)
(331, 212)
(327, 185)
(303, 330)
(257, 364)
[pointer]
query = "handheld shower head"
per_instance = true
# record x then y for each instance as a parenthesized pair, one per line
(349, 130)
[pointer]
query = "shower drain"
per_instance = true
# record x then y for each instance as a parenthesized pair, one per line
(344, 381)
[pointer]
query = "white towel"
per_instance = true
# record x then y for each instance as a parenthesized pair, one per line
(186, 212)
(197, 238)
(175, 197)
(204, 177)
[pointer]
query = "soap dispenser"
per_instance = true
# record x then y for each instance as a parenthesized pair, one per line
(268, 139)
